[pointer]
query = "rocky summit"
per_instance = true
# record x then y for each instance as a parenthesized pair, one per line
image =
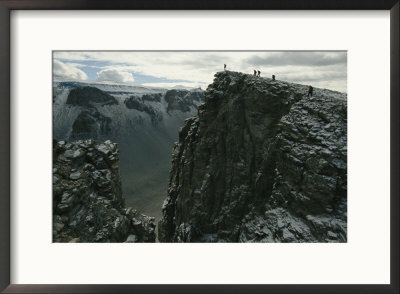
(87, 200)
(261, 162)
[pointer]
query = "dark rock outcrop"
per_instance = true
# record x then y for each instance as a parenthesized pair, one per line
(182, 100)
(156, 97)
(89, 96)
(137, 103)
(91, 123)
(260, 163)
(87, 200)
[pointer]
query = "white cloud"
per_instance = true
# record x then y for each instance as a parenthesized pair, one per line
(115, 75)
(67, 71)
(320, 69)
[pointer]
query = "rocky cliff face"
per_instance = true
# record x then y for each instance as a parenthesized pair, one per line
(260, 163)
(87, 200)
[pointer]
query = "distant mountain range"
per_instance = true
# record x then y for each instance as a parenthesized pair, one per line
(144, 121)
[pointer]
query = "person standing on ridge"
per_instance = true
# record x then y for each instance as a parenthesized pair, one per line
(224, 66)
(259, 72)
(310, 91)
(273, 77)
(255, 72)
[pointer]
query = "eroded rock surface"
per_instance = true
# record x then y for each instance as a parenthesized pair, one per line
(260, 163)
(89, 96)
(183, 100)
(91, 122)
(87, 200)
(138, 104)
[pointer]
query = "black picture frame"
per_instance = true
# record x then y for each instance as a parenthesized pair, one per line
(8, 5)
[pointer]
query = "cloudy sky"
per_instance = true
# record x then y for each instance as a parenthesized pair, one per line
(196, 69)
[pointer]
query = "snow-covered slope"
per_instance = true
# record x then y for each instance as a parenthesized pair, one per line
(110, 88)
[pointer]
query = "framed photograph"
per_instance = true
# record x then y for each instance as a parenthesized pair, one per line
(199, 148)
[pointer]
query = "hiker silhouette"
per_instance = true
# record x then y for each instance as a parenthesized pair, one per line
(310, 91)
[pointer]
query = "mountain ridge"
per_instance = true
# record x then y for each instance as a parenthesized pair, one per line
(260, 162)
